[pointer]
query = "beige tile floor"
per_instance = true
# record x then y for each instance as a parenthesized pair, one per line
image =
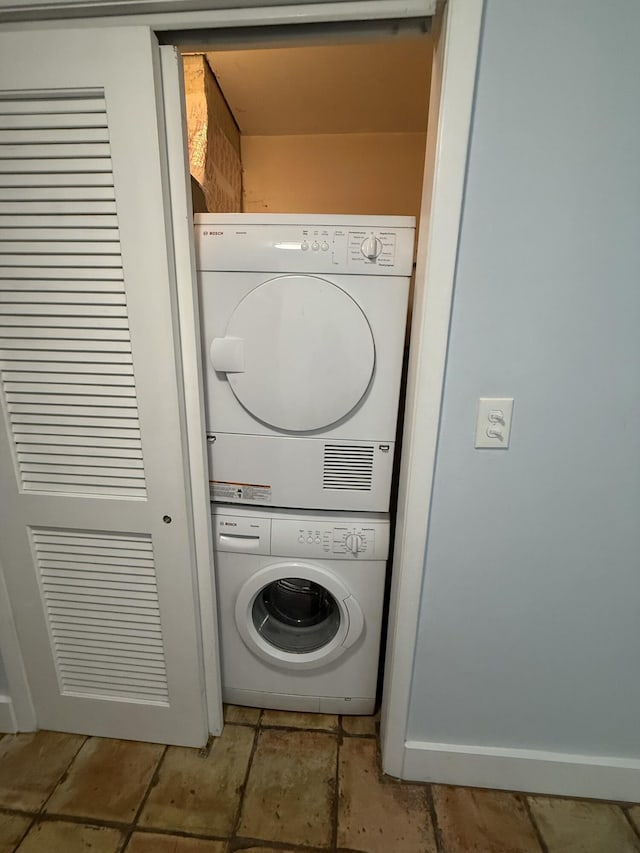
(274, 781)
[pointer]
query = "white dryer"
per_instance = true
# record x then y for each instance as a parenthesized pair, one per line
(300, 598)
(303, 321)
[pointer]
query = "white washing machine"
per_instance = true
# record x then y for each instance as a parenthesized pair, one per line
(300, 599)
(303, 321)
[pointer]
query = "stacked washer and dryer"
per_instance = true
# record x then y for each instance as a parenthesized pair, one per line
(303, 324)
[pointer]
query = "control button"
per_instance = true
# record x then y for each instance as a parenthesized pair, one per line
(310, 540)
(300, 538)
(317, 540)
(315, 246)
(371, 247)
(304, 245)
(325, 247)
(353, 543)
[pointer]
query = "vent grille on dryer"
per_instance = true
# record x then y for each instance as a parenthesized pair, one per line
(348, 466)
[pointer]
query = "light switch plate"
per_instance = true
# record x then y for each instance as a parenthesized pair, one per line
(493, 425)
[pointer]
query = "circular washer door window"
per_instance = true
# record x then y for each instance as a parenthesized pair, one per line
(309, 353)
(297, 616)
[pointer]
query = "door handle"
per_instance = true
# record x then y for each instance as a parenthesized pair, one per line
(356, 621)
(227, 355)
(238, 541)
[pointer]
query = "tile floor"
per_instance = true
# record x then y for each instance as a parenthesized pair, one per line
(274, 781)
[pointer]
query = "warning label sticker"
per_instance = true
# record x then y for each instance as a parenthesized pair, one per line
(224, 491)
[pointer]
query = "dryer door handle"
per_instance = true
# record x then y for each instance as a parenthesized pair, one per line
(227, 355)
(356, 621)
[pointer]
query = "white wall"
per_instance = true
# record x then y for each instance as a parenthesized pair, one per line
(377, 86)
(529, 627)
(377, 173)
(3, 678)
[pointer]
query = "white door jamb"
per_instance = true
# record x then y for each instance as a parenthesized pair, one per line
(446, 159)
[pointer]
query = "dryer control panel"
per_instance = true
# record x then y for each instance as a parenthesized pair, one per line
(359, 247)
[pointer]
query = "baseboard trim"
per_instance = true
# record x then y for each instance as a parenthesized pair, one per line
(534, 771)
(8, 724)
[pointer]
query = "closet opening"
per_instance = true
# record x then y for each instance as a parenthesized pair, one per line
(325, 129)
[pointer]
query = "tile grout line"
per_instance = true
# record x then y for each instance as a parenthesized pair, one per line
(27, 830)
(125, 827)
(230, 722)
(82, 820)
(625, 811)
(527, 807)
(335, 816)
(243, 789)
(355, 737)
(437, 834)
(63, 775)
(40, 813)
(152, 783)
(271, 728)
(170, 832)
(286, 846)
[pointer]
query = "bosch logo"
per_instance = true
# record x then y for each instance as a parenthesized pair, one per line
(212, 233)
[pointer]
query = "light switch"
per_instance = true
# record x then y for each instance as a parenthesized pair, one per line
(493, 426)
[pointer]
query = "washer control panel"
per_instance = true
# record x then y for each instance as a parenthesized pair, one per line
(330, 540)
(353, 540)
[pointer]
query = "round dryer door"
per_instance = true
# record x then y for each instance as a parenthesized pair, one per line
(307, 353)
(297, 616)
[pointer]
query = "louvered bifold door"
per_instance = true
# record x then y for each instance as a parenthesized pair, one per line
(96, 529)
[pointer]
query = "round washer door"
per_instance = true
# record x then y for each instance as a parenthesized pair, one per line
(297, 616)
(309, 353)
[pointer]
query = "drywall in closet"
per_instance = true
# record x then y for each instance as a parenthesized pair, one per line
(333, 173)
(330, 128)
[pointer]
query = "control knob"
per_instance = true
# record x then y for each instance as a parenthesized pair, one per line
(353, 543)
(371, 247)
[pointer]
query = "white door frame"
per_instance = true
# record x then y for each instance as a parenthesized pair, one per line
(204, 14)
(446, 160)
